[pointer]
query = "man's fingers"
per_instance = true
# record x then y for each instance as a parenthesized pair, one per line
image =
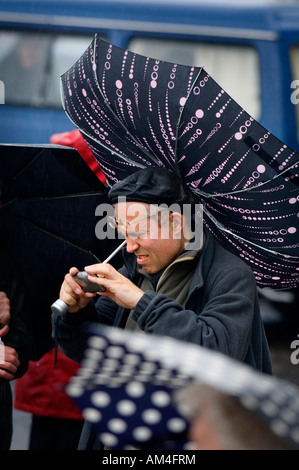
(4, 331)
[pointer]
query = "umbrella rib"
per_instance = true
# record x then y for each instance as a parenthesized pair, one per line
(83, 131)
(224, 229)
(145, 151)
(126, 158)
(58, 237)
(179, 121)
(49, 198)
(259, 185)
(16, 175)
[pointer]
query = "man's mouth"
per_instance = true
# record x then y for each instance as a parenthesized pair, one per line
(141, 258)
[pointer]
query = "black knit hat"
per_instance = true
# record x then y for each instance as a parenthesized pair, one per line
(152, 186)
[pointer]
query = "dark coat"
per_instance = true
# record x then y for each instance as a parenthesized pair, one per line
(222, 311)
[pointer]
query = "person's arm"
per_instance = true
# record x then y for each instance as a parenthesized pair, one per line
(17, 338)
(223, 323)
(70, 330)
(4, 314)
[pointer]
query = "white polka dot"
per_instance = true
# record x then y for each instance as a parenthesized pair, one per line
(151, 416)
(93, 354)
(238, 136)
(160, 398)
(118, 84)
(100, 399)
(92, 415)
(135, 389)
(199, 113)
(292, 230)
(269, 408)
(117, 425)
(110, 364)
(126, 407)
(108, 439)
(153, 84)
(115, 351)
(96, 342)
(295, 434)
(176, 425)
(142, 433)
(132, 359)
(292, 200)
(75, 390)
(288, 416)
(261, 168)
(183, 101)
(190, 446)
(279, 427)
(249, 402)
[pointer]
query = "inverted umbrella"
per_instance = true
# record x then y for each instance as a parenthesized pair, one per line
(133, 389)
(48, 199)
(136, 111)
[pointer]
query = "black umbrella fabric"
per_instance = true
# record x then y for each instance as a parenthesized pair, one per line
(136, 111)
(48, 200)
(134, 389)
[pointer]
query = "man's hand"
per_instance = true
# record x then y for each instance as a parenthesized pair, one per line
(9, 362)
(4, 314)
(72, 294)
(118, 288)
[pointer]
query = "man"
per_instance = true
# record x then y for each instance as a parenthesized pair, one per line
(170, 284)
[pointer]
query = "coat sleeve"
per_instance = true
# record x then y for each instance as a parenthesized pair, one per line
(219, 316)
(70, 331)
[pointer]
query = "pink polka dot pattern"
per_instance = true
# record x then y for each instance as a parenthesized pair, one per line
(136, 111)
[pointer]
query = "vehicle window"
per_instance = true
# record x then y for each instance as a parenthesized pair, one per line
(295, 82)
(235, 68)
(31, 64)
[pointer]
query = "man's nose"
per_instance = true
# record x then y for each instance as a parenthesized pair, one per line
(132, 244)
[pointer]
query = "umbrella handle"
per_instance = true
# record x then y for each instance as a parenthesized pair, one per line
(59, 307)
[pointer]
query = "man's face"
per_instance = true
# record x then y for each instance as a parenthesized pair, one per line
(154, 243)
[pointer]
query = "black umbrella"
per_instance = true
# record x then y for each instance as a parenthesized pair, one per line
(48, 200)
(136, 111)
(136, 390)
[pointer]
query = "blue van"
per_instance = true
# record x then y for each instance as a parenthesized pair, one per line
(251, 48)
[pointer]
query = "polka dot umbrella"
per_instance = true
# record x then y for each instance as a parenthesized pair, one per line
(131, 388)
(135, 111)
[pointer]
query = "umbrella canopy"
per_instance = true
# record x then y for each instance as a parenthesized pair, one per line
(136, 111)
(135, 389)
(48, 200)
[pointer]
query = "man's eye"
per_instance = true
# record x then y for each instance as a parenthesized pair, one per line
(134, 235)
(142, 235)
